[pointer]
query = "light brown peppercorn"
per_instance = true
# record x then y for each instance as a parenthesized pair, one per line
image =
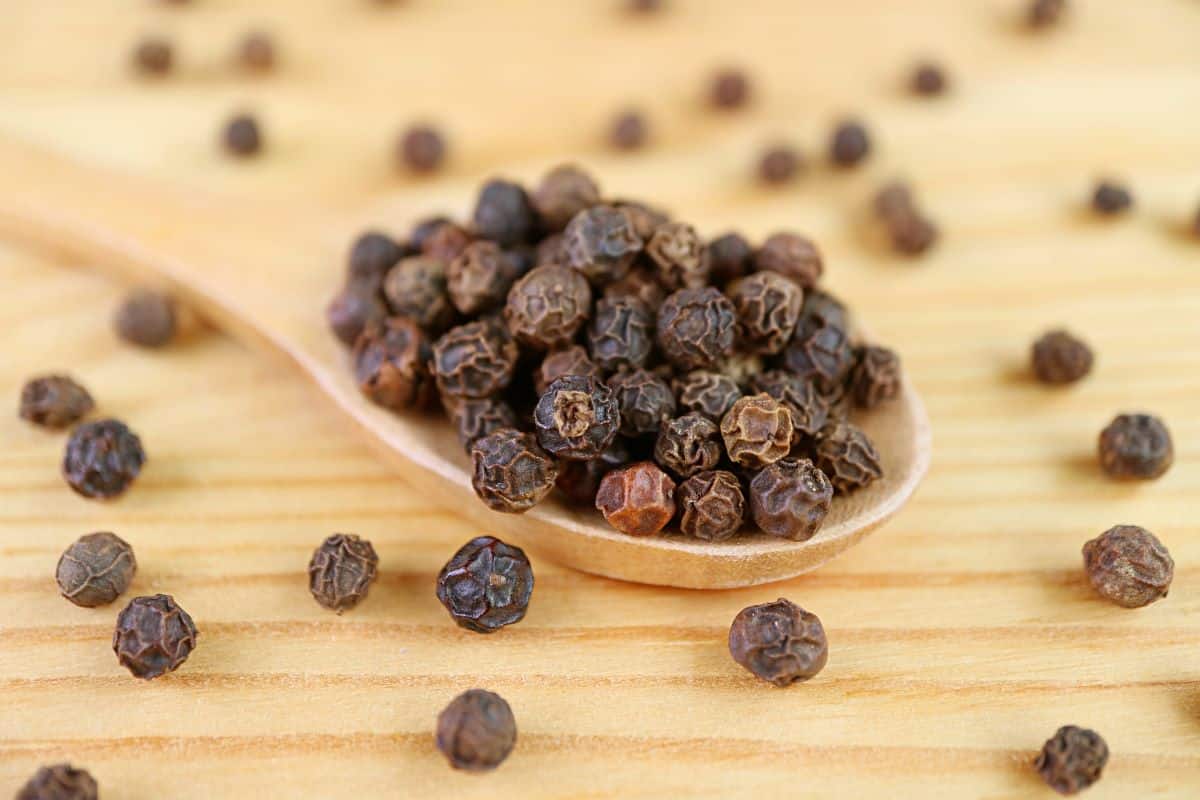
(638, 500)
(696, 328)
(678, 252)
(1136, 447)
(875, 378)
(1060, 358)
(571, 360)
(1072, 760)
(847, 457)
(564, 192)
(779, 642)
(547, 306)
(792, 256)
(95, 570)
(779, 164)
(510, 471)
(621, 333)
(153, 636)
(1045, 13)
(153, 56)
(60, 782)
(576, 418)
(601, 243)
(417, 288)
(809, 409)
(767, 307)
(688, 444)
(474, 360)
(341, 571)
(709, 393)
(477, 731)
(1129, 566)
(712, 505)
(645, 401)
(578, 481)
(54, 401)
(391, 364)
(480, 278)
(790, 499)
(146, 318)
(757, 431)
(256, 52)
(421, 148)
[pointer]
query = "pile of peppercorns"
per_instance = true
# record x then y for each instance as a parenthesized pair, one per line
(663, 367)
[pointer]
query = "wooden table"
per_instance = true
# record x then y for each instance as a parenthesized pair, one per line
(962, 635)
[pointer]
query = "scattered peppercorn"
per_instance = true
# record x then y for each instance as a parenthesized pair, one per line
(875, 378)
(790, 499)
(564, 192)
(256, 52)
(645, 6)
(242, 137)
(153, 636)
(102, 459)
(486, 585)
(767, 307)
(145, 318)
(1059, 358)
(910, 231)
(792, 256)
(510, 471)
(779, 642)
(757, 431)
(341, 571)
(1045, 13)
(638, 499)
(1136, 447)
(729, 89)
(54, 401)
(1072, 759)
(60, 782)
(809, 410)
(688, 444)
(576, 418)
(779, 164)
(547, 306)
(477, 731)
(421, 148)
(629, 130)
(153, 56)
(850, 143)
(696, 328)
(928, 79)
(1129, 566)
(601, 243)
(417, 288)
(729, 257)
(391, 364)
(847, 456)
(644, 399)
(712, 505)
(474, 360)
(95, 570)
(1111, 198)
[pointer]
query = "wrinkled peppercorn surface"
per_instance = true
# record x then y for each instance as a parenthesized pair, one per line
(548, 306)
(848, 457)
(1136, 447)
(341, 571)
(638, 500)
(712, 505)
(477, 731)
(577, 417)
(1059, 358)
(95, 570)
(1129, 566)
(779, 642)
(875, 378)
(621, 333)
(54, 401)
(757, 431)
(688, 444)
(696, 328)
(391, 364)
(644, 399)
(102, 458)
(1072, 760)
(768, 307)
(486, 585)
(153, 636)
(792, 256)
(60, 782)
(417, 288)
(601, 243)
(510, 471)
(474, 360)
(790, 499)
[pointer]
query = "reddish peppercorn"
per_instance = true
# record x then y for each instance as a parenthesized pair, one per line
(638, 500)
(153, 56)
(256, 52)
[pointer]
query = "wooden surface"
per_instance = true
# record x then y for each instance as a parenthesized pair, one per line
(961, 635)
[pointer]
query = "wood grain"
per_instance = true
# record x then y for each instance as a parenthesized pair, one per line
(961, 636)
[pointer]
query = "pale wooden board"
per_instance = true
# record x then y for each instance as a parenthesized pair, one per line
(962, 634)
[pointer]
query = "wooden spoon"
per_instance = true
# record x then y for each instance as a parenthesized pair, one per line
(266, 274)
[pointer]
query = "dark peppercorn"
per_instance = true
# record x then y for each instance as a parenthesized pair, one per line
(371, 256)
(767, 307)
(601, 243)
(928, 79)
(551, 250)
(510, 471)
(1059, 357)
(341, 571)
(474, 360)
(153, 636)
(576, 418)
(779, 164)
(1045, 13)
(638, 284)
(709, 393)
(790, 499)
(571, 360)
(729, 89)
(779, 642)
(729, 257)
(757, 431)
(474, 419)
(256, 52)
(417, 288)
(579, 480)
(875, 378)
(645, 6)
(809, 409)
(102, 459)
(153, 56)
(1136, 447)
(477, 731)
(60, 782)
(391, 364)
(678, 252)
(644, 218)
(621, 333)
(486, 585)
(54, 401)
(564, 192)
(644, 399)
(638, 499)
(547, 306)
(1072, 759)
(421, 148)
(95, 570)
(849, 144)
(688, 444)
(504, 214)
(1111, 198)
(145, 318)
(792, 256)
(820, 352)
(242, 137)
(711, 505)
(480, 277)
(424, 229)
(847, 457)
(629, 130)
(355, 307)
(696, 328)
(1129, 566)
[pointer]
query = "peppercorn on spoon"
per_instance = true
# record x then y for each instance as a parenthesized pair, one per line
(266, 274)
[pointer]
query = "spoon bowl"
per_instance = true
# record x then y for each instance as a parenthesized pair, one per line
(265, 274)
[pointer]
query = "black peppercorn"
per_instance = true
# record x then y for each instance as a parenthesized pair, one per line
(696, 328)
(638, 284)
(510, 471)
(417, 288)
(547, 306)
(678, 252)
(242, 137)
(875, 378)
(391, 364)
(153, 636)
(1060, 358)
(1136, 447)
(711, 505)
(579, 480)
(849, 144)
(792, 256)
(767, 307)
(629, 130)
(1045, 13)
(709, 393)
(729, 89)
(145, 318)
(847, 456)
(474, 360)
(421, 148)
(371, 256)
(729, 257)
(757, 431)
(601, 243)
(808, 408)
(688, 444)
(1072, 760)
(779, 642)
(1111, 198)
(256, 52)
(54, 401)
(474, 419)
(621, 333)
(480, 277)
(824, 308)
(341, 571)
(564, 192)
(779, 164)
(576, 418)
(644, 399)
(102, 459)
(790, 499)
(477, 731)
(355, 307)
(504, 214)
(820, 352)
(153, 56)
(1129, 566)
(551, 250)
(638, 499)
(571, 360)
(95, 570)
(60, 782)
(486, 585)
(928, 79)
